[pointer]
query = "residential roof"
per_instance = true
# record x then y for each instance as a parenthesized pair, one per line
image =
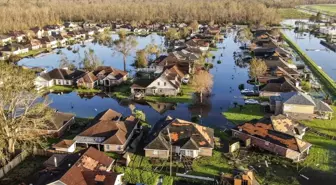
(4, 36)
(282, 84)
(88, 78)
(65, 143)
(322, 106)
(58, 120)
(286, 125)
(48, 39)
(109, 131)
(57, 73)
(80, 168)
(266, 132)
(108, 115)
(182, 133)
(103, 71)
(298, 98)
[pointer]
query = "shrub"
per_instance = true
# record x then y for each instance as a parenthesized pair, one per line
(306, 86)
(219, 62)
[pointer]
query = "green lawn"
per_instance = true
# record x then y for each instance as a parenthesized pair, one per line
(33, 52)
(326, 8)
(59, 88)
(211, 166)
(248, 112)
(291, 13)
(324, 126)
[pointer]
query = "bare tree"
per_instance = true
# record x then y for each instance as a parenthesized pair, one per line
(257, 68)
(202, 82)
(124, 45)
(21, 111)
(91, 60)
(66, 63)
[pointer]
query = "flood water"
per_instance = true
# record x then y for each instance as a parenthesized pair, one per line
(324, 58)
(227, 77)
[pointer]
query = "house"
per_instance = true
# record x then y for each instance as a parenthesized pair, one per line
(300, 106)
(167, 84)
(328, 31)
(57, 77)
(14, 49)
(53, 29)
(61, 40)
(185, 138)
(283, 124)
(59, 123)
(109, 131)
(109, 76)
(35, 44)
(17, 35)
(198, 44)
(280, 85)
(65, 146)
(70, 25)
(49, 42)
(87, 167)
(264, 136)
(39, 33)
(238, 178)
(5, 39)
(89, 80)
(75, 34)
(161, 107)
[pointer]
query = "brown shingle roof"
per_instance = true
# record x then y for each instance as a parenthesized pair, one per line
(65, 143)
(88, 78)
(58, 120)
(108, 115)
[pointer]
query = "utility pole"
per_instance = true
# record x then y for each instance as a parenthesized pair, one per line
(171, 153)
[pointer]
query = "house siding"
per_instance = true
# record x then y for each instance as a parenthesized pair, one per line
(300, 109)
(70, 149)
(163, 154)
(205, 152)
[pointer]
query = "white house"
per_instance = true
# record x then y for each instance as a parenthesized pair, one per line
(49, 42)
(54, 77)
(14, 49)
(65, 146)
(4, 39)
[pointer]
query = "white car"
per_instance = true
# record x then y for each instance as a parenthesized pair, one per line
(138, 95)
(247, 91)
(251, 101)
(185, 80)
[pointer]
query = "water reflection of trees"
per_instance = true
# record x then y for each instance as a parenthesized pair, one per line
(200, 109)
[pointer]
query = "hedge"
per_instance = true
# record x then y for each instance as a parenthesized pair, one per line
(323, 77)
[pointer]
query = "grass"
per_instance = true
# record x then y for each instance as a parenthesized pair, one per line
(248, 112)
(328, 82)
(324, 126)
(185, 98)
(59, 88)
(33, 52)
(211, 166)
(122, 91)
(291, 13)
(325, 8)
(22, 171)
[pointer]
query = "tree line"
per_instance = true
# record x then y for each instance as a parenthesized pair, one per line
(21, 15)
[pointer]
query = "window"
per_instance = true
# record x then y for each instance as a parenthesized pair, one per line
(107, 147)
(165, 83)
(158, 83)
(160, 90)
(155, 152)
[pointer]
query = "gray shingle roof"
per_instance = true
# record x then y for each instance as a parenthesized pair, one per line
(298, 98)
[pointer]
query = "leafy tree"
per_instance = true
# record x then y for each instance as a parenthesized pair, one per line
(141, 59)
(241, 86)
(21, 111)
(257, 68)
(125, 45)
(245, 35)
(306, 86)
(140, 115)
(184, 33)
(91, 60)
(66, 63)
(202, 82)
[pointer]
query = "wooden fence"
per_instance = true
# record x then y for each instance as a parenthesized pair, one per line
(13, 163)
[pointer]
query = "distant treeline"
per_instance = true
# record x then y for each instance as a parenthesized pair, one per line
(293, 3)
(23, 14)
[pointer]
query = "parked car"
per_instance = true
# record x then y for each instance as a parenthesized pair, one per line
(251, 101)
(138, 95)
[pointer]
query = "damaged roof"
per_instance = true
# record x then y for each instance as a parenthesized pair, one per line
(286, 125)
(266, 132)
(183, 133)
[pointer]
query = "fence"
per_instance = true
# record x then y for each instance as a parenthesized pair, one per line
(13, 163)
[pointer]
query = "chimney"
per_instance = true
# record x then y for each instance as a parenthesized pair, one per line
(55, 161)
